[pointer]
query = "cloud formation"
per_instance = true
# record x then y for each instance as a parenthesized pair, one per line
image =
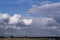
(39, 26)
(15, 19)
(42, 26)
(52, 13)
(48, 10)
(27, 21)
(10, 25)
(4, 16)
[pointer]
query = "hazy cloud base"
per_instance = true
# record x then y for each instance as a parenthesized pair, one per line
(16, 25)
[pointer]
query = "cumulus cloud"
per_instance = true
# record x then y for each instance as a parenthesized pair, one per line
(27, 21)
(8, 22)
(4, 16)
(48, 10)
(14, 20)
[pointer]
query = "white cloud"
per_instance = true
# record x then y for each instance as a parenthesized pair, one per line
(15, 19)
(27, 21)
(4, 16)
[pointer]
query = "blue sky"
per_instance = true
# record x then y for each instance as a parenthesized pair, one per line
(37, 18)
(19, 6)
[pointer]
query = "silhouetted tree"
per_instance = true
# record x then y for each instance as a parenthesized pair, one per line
(2, 36)
(11, 37)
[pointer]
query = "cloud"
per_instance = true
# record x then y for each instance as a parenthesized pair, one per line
(10, 23)
(36, 25)
(45, 23)
(52, 23)
(39, 27)
(4, 16)
(15, 19)
(52, 12)
(27, 21)
(48, 10)
(44, 2)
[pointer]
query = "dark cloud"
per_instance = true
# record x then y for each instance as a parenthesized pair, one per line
(40, 29)
(51, 10)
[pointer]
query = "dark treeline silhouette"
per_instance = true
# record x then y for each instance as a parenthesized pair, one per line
(1, 36)
(56, 38)
(28, 37)
(6, 37)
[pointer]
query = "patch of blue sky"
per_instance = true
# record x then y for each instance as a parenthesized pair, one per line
(19, 6)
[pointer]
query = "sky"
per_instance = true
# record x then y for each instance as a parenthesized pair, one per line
(32, 18)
